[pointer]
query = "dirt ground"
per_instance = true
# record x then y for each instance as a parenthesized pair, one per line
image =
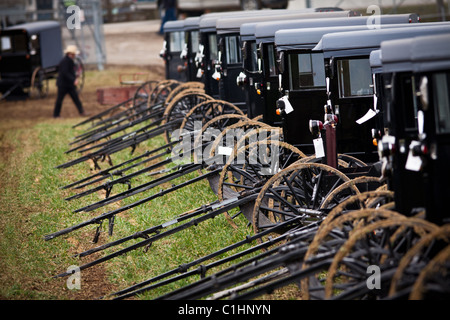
(130, 47)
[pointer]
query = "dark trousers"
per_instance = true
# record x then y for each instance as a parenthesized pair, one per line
(169, 15)
(62, 91)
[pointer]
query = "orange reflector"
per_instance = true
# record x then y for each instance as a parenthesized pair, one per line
(375, 142)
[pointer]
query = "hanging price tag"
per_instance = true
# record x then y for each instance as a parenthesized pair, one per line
(413, 163)
(287, 105)
(369, 115)
(318, 147)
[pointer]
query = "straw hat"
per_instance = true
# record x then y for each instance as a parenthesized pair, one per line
(71, 49)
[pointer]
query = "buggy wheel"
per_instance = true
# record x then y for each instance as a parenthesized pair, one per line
(142, 93)
(296, 192)
(348, 189)
(179, 107)
(209, 133)
(206, 111)
(39, 84)
(250, 167)
(382, 244)
(408, 280)
(329, 237)
(433, 280)
(161, 92)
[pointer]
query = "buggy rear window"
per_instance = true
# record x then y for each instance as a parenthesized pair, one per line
(13, 43)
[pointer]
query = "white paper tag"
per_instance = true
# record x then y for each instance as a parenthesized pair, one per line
(227, 151)
(216, 75)
(413, 163)
(287, 105)
(318, 147)
(369, 115)
(199, 73)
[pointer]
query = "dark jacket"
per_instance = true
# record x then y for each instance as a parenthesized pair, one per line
(66, 73)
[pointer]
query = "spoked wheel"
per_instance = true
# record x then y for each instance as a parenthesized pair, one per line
(186, 87)
(296, 192)
(206, 111)
(228, 140)
(350, 188)
(209, 133)
(144, 91)
(329, 237)
(381, 244)
(364, 200)
(433, 281)
(419, 273)
(350, 161)
(39, 84)
(179, 107)
(160, 93)
(196, 118)
(344, 161)
(252, 165)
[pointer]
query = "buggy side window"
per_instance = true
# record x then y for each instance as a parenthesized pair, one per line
(213, 52)
(355, 77)
(253, 59)
(194, 41)
(441, 94)
(233, 50)
(272, 59)
(408, 103)
(176, 41)
(306, 70)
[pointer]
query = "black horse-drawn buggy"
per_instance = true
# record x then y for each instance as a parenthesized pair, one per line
(321, 169)
(29, 57)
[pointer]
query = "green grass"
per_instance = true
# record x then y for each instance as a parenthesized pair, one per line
(32, 205)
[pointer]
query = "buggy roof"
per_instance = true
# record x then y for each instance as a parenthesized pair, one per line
(265, 32)
(192, 23)
(362, 42)
(233, 25)
(418, 54)
(35, 27)
(301, 38)
(304, 38)
(173, 26)
(208, 21)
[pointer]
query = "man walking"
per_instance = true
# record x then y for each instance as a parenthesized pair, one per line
(169, 7)
(67, 81)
